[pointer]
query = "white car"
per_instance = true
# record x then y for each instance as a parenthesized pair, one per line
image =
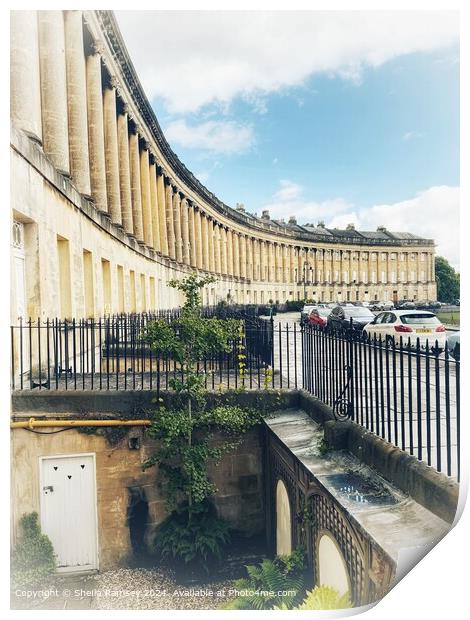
(409, 325)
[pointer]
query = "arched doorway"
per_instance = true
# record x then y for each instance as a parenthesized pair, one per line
(332, 569)
(283, 520)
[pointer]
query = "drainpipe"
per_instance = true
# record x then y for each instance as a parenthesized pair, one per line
(33, 423)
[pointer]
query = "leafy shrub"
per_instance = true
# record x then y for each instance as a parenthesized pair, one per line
(323, 597)
(192, 535)
(292, 306)
(33, 558)
(274, 582)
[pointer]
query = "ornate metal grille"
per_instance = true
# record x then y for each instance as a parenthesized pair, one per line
(326, 517)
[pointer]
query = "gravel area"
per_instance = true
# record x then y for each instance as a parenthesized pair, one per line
(141, 588)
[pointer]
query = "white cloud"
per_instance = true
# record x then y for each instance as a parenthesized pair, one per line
(411, 135)
(289, 200)
(216, 136)
(195, 58)
(433, 214)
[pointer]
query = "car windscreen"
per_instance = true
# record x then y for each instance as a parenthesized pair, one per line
(324, 311)
(419, 319)
(358, 312)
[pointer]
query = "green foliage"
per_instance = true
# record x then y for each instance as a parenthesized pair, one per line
(324, 597)
(193, 535)
(33, 558)
(278, 582)
(186, 432)
(294, 306)
(448, 281)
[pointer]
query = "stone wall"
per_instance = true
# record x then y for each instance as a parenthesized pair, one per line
(239, 479)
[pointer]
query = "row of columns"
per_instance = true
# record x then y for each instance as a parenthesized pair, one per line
(64, 97)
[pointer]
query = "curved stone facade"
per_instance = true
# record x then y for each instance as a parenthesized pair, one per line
(107, 214)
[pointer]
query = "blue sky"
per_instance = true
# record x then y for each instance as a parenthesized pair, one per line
(343, 118)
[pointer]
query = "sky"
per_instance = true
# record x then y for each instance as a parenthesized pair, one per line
(344, 117)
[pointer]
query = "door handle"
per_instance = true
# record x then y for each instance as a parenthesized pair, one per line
(49, 488)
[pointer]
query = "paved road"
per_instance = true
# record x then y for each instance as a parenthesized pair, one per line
(406, 399)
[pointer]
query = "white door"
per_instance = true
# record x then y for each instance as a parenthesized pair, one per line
(68, 510)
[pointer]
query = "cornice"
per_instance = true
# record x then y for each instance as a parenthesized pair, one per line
(113, 37)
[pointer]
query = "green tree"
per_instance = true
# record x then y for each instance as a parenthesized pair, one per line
(186, 430)
(448, 281)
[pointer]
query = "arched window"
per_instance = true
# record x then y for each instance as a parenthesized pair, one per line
(283, 520)
(331, 565)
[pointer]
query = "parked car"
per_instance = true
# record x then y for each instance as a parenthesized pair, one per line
(349, 316)
(406, 305)
(319, 316)
(305, 312)
(453, 342)
(408, 325)
(381, 305)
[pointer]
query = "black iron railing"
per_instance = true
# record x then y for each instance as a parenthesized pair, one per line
(111, 354)
(407, 394)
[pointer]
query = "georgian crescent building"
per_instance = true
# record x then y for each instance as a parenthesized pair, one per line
(105, 214)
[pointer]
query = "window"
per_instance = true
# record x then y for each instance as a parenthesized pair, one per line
(132, 291)
(393, 277)
(88, 287)
(393, 256)
(143, 293)
(384, 277)
(106, 278)
(65, 290)
(153, 300)
(120, 285)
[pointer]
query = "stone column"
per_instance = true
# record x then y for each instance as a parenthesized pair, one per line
(55, 133)
(211, 233)
(205, 242)
(291, 264)
(136, 190)
(217, 249)
(125, 173)
(271, 262)
(162, 213)
(76, 100)
(96, 130)
(177, 226)
(185, 231)
(169, 219)
(154, 205)
(263, 261)
(242, 244)
(229, 253)
(223, 250)
(192, 237)
(145, 195)
(25, 88)
(249, 259)
(199, 255)
(236, 254)
(111, 153)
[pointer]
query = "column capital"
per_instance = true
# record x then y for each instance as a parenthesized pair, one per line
(97, 47)
(115, 83)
